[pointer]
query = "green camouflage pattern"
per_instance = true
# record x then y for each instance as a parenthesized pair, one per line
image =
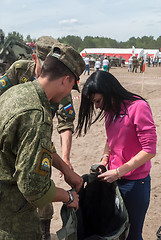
(17, 223)
(43, 46)
(20, 71)
(65, 114)
(135, 62)
(70, 57)
(46, 212)
(25, 160)
(23, 71)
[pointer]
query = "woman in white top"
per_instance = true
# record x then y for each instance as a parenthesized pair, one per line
(97, 64)
(86, 60)
(105, 64)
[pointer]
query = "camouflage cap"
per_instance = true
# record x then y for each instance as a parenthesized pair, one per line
(43, 46)
(71, 59)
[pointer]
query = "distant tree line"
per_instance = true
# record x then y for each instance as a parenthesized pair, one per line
(102, 42)
(98, 42)
(17, 36)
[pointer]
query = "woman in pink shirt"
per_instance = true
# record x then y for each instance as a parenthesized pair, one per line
(130, 145)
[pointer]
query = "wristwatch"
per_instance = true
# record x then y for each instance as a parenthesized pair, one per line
(71, 198)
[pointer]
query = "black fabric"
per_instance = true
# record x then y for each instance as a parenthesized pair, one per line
(101, 215)
(97, 215)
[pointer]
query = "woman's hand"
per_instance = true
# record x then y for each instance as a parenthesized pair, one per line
(109, 176)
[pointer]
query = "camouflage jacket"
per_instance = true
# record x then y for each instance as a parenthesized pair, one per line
(23, 71)
(25, 158)
(135, 62)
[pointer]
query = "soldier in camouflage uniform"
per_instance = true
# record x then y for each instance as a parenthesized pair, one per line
(141, 63)
(27, 153)
(135, 64)
(26, 70)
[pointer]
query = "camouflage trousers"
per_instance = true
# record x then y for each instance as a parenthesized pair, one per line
(46, 212)
(25, 236)
(19, 219)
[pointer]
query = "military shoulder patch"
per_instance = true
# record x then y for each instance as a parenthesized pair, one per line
(43, 166)
(4, 82)
(69, 109)
(24, 79)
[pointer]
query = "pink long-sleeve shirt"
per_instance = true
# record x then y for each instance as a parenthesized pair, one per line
(129, 134)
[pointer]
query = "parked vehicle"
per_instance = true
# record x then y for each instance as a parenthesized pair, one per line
(11, 51)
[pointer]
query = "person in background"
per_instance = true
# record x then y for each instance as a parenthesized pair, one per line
(109, 65)
(130, 144)
(120, 62)
(101, 59)
(153, 61)
(149, 61)
(159, 62)
(141, 63)
(105, 64)
(87, 69)
(97, 64)
(135, 64)
(130, 64)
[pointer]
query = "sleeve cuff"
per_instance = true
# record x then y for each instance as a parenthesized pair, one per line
(47, 198)
(65, 127)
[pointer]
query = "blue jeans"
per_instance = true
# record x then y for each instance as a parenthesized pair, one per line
(136, 196)
(87, 69)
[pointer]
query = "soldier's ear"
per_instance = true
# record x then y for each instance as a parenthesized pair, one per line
(65, 80)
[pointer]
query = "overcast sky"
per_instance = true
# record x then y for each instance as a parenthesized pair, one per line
(116, 19)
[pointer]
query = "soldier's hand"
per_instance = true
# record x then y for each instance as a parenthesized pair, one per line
(75, 203)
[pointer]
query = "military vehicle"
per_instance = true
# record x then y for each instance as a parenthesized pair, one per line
(92, 62)
(92, 59)
(114, 61)
(11, 51)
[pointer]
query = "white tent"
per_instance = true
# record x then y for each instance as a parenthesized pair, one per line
(124, 52)
(152, 52)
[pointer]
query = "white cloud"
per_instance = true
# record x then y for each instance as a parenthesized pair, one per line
(68, 21)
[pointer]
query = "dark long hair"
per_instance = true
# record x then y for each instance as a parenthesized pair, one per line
(114, 95)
